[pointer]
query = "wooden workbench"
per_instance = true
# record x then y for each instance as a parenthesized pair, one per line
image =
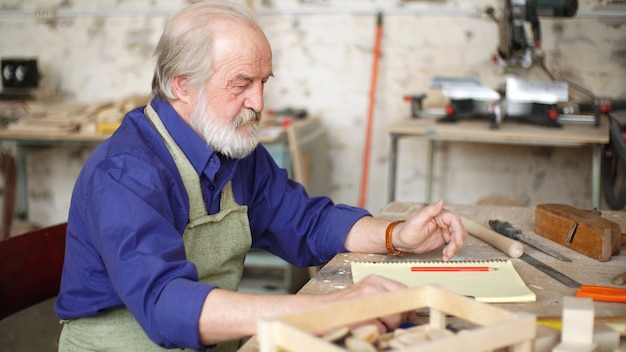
(336, 274)
(571, 135)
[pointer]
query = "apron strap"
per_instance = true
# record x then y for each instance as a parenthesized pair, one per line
(197, 208)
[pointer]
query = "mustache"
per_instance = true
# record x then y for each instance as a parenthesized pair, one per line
(246, 116)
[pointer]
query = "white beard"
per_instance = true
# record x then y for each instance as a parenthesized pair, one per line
(235, 139)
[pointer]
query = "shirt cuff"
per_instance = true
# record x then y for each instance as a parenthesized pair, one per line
(178, 312)
(341, 222)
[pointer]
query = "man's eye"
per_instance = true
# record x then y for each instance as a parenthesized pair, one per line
(242, 87)
(239, 87)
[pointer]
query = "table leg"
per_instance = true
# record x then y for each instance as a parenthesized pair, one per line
(430, 165)
(393, 163)
(596, 160)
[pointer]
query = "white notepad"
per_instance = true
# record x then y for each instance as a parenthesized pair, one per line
(493, 281)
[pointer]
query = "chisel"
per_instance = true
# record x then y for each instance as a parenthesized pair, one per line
(597, 293)
(515, 249)
(506, 229)
(553, 273)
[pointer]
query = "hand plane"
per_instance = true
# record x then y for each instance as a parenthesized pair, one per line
(584, 231)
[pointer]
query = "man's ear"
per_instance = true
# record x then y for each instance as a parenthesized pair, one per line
(181, 89)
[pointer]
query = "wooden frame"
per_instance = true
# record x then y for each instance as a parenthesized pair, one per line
(497, 328)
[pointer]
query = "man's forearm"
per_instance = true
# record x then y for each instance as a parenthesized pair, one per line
(367, 236)
(228, 315)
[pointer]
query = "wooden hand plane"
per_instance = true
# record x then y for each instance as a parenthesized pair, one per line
(584, 231)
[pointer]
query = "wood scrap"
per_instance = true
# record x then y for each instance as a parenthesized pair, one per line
(366, 338)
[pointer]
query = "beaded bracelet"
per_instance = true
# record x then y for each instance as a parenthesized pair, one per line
(388, 242)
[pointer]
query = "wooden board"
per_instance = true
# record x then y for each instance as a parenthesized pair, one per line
(508, 133)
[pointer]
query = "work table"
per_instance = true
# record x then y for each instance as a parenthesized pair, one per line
(549, 292)
(427, 128)
(337, 275)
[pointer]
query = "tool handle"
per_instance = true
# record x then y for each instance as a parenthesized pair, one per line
(504, 228)
(620, 279)
(509, 246)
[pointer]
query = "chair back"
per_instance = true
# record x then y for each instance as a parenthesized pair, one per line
(9, 171)
(30, 268)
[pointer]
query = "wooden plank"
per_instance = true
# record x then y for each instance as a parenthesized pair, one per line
(508, 133)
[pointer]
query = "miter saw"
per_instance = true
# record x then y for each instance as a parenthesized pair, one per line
(515, 48)
(524, 100)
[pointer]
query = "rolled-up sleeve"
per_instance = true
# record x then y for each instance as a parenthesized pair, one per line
(179, 313)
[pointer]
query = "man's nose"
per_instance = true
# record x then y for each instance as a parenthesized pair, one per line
(254, 99)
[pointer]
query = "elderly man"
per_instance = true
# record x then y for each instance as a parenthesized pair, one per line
(164, 212)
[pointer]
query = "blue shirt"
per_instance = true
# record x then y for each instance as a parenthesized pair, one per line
(129, 209)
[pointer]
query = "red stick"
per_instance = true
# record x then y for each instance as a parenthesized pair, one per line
(370, 114)
(449, 268)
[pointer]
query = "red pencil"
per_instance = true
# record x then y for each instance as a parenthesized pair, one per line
(450, 268)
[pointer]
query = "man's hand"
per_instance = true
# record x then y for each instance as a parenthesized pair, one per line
(372, 285)
(424, 230)
(228, 315)
(428, 229)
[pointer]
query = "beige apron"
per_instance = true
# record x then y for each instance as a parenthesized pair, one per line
(216, 244)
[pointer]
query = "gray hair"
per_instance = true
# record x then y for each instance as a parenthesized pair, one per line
(186, 45)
